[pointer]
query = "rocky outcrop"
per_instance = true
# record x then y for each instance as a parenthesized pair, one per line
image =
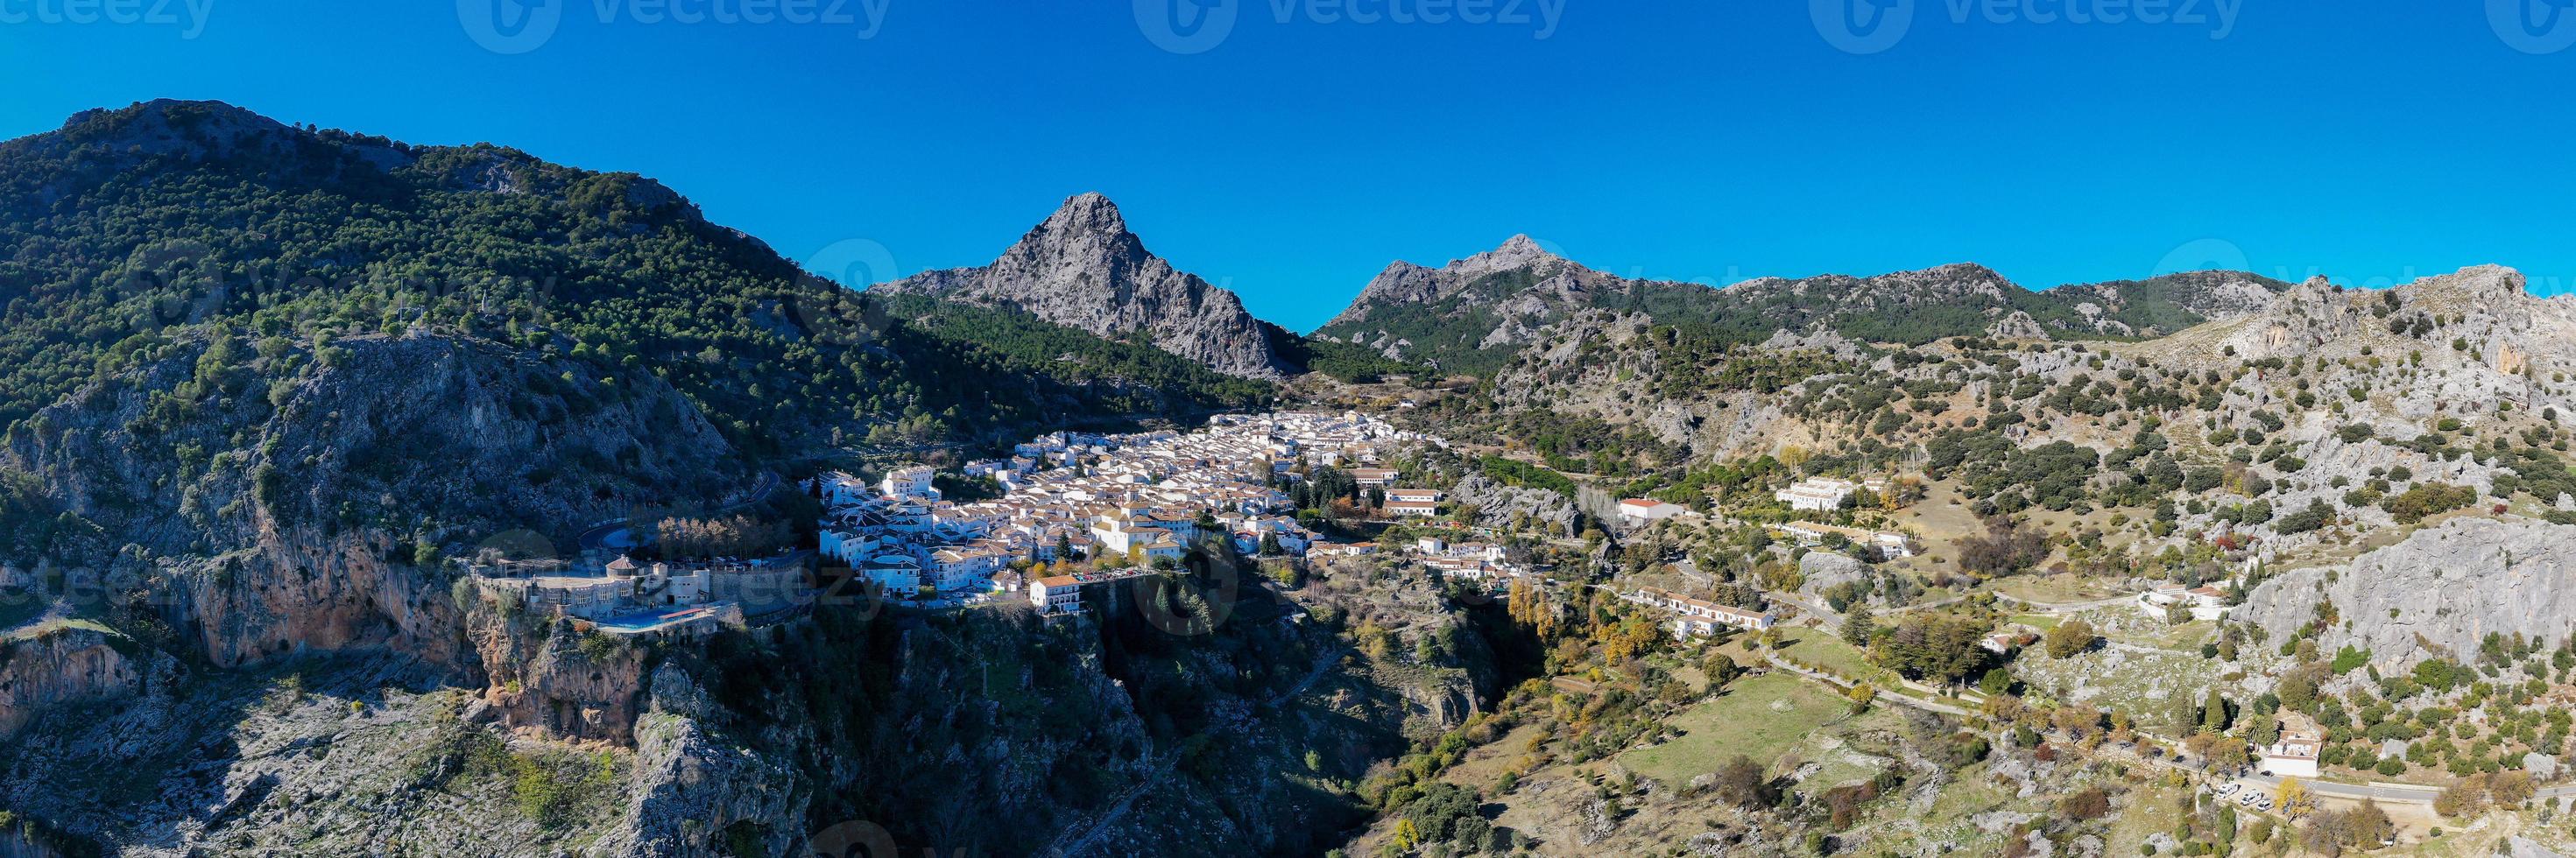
(1819, 571)
(286, 513)
(695, 793)
(2523, 847)
(2439, 592)
(61, 663)
(558, 676)
(338, 756)
(1404, 283)
(1503, 505)
(1081, 268)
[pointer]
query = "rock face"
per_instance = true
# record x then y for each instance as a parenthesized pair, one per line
(2524, 847)
(2440, 592)
(59, 664)
(267, 549)
(1406, 283)
(1819, 571)
(560, 680)
(693, 788)
(1504, 504)
(1081, 268)
(1473, 313)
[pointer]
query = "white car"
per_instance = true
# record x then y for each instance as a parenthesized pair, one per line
(2248, 798)
(2229, 788)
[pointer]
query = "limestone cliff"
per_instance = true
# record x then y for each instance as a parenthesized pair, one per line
(62, 663)
(2439, 592)
(285, 503)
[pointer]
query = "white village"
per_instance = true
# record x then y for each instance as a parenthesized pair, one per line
(1121, 506)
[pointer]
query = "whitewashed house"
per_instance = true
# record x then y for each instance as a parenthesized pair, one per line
(1640, 511)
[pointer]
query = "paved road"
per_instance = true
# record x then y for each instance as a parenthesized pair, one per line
(2329, 789)
(2066, 607)
(2356, 792)
(1883, 694)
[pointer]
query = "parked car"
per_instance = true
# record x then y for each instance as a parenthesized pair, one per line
(2229, 788)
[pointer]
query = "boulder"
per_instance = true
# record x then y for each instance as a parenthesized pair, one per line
(1819, 571)
(2524, 847)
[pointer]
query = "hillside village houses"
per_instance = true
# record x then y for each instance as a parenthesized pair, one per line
(627, 598)
(1821, 494)
(1699, 617)
(1640, 511)
(1073, 495)
(1421, 502)
(2205, 602)
(1888, 544)
(2294, 756)
(1482, 562)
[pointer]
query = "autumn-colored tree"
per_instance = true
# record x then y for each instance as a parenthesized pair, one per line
(2510, 787)
(2466, 798)
(2070, 638)
(1529, 606)
(2078, 720)
(2086, 803)
(2293, 798)
(1740, 780)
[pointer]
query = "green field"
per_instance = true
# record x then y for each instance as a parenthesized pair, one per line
(1812, 646)
(2042, 622)
(1761, 717)
(2055, 589)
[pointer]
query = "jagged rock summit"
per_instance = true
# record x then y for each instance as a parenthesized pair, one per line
(1082, 268)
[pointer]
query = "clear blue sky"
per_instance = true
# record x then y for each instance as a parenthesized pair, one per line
(1708, 141)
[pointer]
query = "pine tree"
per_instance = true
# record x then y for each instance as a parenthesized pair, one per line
(1857, 626)
(2213, 715)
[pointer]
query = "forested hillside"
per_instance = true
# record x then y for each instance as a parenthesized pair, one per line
(1475, 315)
(127, 222)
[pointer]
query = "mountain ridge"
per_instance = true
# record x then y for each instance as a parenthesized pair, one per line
(1081, 267)
(1474, 312)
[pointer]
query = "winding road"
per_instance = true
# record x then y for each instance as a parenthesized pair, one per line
(1883, 694)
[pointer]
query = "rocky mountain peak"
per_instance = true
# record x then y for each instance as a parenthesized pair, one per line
(1471, 280)
(1089, 212)
(1521, 251)
(197, 129)
(1082, 268)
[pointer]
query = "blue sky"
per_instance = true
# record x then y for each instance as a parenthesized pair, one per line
(1290, 152)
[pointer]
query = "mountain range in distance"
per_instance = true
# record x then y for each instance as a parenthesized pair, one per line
(1083, 268)
(301, 425)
